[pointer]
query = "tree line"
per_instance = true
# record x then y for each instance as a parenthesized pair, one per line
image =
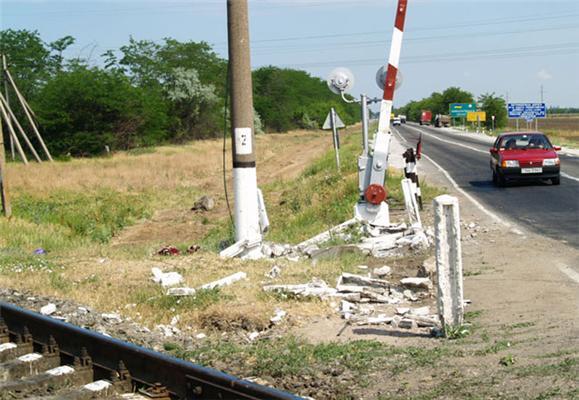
(439, 103)
(149, 93)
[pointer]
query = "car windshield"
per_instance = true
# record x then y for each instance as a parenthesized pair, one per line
(524, 141)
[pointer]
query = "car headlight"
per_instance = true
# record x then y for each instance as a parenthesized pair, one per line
(550, 162)
(510, 164)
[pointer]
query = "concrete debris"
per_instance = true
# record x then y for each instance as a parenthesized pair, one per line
(311, 249)
(334, 252)
(48, 309)
(167, 330)
(407, 323)
(175, 320)
(274, 272)
(409, 295)
(417, 241)
(327, 235)
(83, 310)
(166, 279)
(377, 320)
(416, 283)
(205, 203)
(426, 321)
(252, 336)
(349, 280)
(225, 281)
(402, 310)
(379, 246)
(181, 291)
(363, 267)
(278, 317)
(382, 271)
(420, 312)
(316, 288)
(200, 336)
(427, 269)
(112, 318)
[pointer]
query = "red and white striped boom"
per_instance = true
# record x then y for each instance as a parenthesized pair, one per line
(392, 70)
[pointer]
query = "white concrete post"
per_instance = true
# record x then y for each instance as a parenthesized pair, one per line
(448, 261)
(410, 202)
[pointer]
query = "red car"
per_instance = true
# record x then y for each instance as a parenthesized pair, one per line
(522, 156)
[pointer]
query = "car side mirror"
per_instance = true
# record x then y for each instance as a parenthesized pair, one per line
(493, 150)
(557, 148)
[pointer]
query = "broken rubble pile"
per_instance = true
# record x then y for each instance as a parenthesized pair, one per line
(365, 300)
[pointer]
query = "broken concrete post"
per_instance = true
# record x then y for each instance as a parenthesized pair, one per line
(448, 261)
(410, 203)
(228, 280)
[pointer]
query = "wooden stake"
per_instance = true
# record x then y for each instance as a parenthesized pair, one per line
(4, 198)
(29, 113)
(11, 129)
(22, 133)
(5, 80)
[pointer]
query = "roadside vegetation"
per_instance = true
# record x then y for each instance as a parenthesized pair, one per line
(151, 93)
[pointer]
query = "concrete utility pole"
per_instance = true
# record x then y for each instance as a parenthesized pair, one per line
(6, 209)
(247, 226)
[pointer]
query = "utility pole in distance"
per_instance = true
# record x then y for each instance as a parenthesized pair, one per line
(247, 228)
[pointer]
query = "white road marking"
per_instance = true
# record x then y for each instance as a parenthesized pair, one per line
(495, 217)
(450, 141)
(563, 174)
(570, 273)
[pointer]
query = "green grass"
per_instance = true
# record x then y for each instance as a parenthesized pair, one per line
(568, 367)
(320, 198)
(96, 216)
(290, 356)
(157, 298)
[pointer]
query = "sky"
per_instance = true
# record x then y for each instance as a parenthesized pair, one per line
(509, 47)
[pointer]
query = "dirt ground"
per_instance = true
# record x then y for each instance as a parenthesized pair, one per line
(524, 309)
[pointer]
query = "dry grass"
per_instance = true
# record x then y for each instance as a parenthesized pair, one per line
(116, 276)
(562, 129)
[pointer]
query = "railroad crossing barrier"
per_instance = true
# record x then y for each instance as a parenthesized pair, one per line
(450, 295)
(410, 202)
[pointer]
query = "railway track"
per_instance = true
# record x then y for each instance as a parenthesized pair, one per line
(44, 358)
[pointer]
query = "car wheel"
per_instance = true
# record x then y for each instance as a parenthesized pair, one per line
(495, 179)
(556, 181)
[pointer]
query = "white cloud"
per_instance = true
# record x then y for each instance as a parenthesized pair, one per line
(544, 75)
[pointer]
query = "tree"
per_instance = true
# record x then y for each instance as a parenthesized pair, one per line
(496, 106)
(31, 61)
(85, 109)
(189, 96)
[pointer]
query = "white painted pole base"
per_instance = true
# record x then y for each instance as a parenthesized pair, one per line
(450, 299)
(375, 215)
(247, 216)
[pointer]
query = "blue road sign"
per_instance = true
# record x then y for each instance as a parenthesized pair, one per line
(528, 111)
(461, 109)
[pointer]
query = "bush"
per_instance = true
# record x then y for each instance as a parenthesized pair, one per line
(85, 109)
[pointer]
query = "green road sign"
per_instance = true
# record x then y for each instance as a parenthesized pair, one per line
(461, 109)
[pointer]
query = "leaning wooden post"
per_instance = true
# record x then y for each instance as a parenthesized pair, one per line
(5, 80)
(22, 133)
(448, 261)
(6, 209)
(28, 112)
(4, 113)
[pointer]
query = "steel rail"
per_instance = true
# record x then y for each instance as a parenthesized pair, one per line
(184, 380)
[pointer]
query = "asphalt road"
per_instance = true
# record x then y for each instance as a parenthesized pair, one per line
(550, 210)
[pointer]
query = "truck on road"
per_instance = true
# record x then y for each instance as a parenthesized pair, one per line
(442, 121)
(426, 117)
